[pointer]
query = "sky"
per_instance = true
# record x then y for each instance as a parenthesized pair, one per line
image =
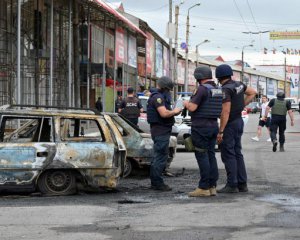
(223, 22)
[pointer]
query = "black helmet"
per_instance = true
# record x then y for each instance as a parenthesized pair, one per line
(202, 73)
(280, 95)
(223, 70)
(165, 82)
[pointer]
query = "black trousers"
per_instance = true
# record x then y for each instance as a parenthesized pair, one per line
(278, 122)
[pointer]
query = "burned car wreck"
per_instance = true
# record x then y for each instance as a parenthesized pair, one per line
(139, 145)
(52, 150)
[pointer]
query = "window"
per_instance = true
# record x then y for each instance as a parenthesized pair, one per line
(22, 129)
(81, 130)
(119, 127)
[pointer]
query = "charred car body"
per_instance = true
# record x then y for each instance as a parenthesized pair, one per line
(52, 150)
(139, 145)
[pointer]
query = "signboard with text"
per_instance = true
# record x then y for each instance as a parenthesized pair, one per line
(284, 35)
(121, 45)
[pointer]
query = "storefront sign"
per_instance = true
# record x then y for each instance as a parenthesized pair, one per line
(121, 45)
(132, 52)
(149, 52)
(166, 61)
(159, 59)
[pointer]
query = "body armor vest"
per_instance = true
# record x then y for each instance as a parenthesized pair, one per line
(237, 101)
(153, 116)
(279, 107)
(131, 110)
(212, 106)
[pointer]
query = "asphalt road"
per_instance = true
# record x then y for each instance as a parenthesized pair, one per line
(271, 210)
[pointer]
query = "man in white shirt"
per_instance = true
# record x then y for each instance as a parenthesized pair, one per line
(261, 122)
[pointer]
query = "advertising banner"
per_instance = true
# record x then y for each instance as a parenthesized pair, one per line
(246, 79)
(180, 71)
(236, 76)
(121, 45)
(166, 61)
(253, 81)
(293, 76)
(280, 85)
(262, 85)
(132, 52)
(149, 52)
(284, 35)
(271, 88)
(191, 78)
(158, 59)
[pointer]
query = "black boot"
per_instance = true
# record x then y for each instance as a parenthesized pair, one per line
(228, 189)
(281, 148)
(243, 187)
(275, 145)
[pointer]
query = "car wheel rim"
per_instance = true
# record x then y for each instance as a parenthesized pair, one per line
(58, 181)
(127, 168)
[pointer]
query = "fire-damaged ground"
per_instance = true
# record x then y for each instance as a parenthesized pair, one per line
(271, 209)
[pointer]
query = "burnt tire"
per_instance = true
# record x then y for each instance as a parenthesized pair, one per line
(57, 182)
(127, 168)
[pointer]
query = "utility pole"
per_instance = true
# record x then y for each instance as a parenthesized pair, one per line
(243, 64)
(242, 78)
(186, 72)
(175, 55)
(299, 83)
(170, 42)
(284, 74)
(197, 52)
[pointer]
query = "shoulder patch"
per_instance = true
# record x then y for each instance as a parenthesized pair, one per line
(159, 100)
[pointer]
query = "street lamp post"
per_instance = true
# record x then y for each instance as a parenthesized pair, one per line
(251, 45)
(197, 53)
(187, 45)
(176, 50)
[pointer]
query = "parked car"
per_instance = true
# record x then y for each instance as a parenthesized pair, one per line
(143, 124)
(183, 126)
(295, 105)
(53, 150)
(253, 107)
(139, 145)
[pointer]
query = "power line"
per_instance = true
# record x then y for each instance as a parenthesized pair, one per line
(252, 15)
(260, 40)
(237, 7)
(151, 10)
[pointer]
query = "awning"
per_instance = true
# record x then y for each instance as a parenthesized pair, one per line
(120, 16)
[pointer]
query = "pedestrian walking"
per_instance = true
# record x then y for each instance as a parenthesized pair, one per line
(231, 129)
(205, 108)
(131, 107)
(118, 103)
(99, 105)
(263, 123)
(280, 107)
(160, 116)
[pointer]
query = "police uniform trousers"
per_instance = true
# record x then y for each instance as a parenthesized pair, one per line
(231, 153)
(204, 139)
(278, 121)
(159, 161)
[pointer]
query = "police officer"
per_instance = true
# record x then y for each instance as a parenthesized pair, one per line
(231, 129)
(161, 119)
(280, 107)
(131, 107)
(205, 108)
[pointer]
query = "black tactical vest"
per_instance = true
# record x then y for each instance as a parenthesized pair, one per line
(131, 109)
(237, 100)
(212, 106)
(153, 116)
